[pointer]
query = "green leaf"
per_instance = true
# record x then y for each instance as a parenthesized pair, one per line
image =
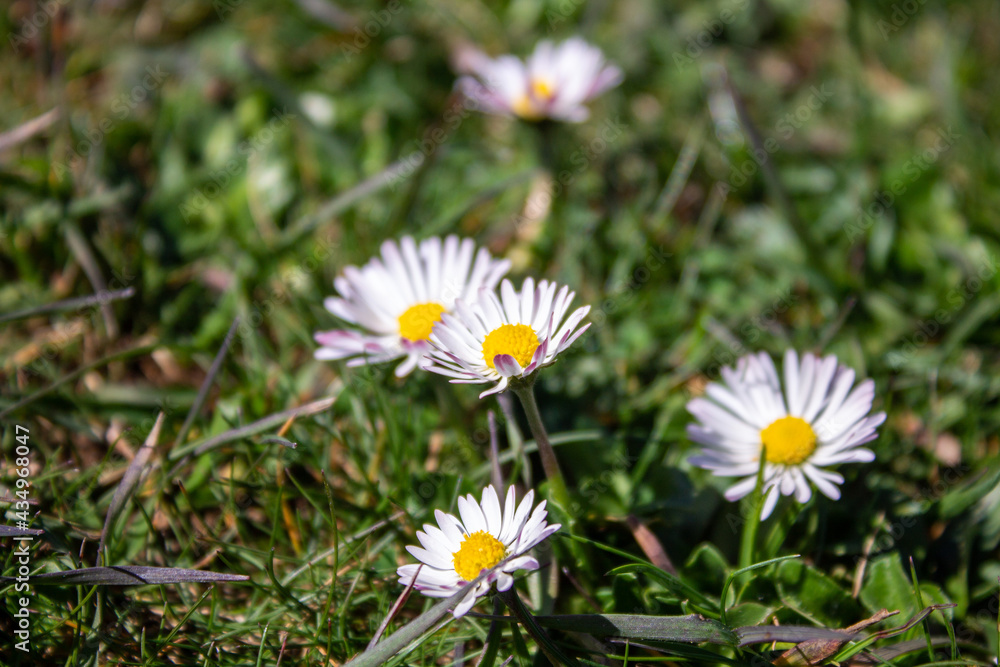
(743, 570)
(961, 499)
(887, 587)
(749, 613)
(933, 594)
(672, 583)
(707, 567)
(814, 595)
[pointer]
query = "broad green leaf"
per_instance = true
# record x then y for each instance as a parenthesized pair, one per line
(886, 586)
(748, 613)
(814, 595)
(707, 567)
(671, 582)
(933, 594)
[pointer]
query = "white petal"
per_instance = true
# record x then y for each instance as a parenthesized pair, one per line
(521, 563)
(491, 510)
(769, 502)
(741, 488)
(504, 581)
(508, 516)
(507, 365)
(472, 514)
(465, 605)
(825, 482)
(432, 558)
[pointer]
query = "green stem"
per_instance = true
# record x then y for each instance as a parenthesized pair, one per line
(754, 504)
(526, 393)
(528, 622)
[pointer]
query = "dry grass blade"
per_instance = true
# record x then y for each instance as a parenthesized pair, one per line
(761, 634)
(28, 129)
(13, 531)
(70, 377)
(400, 601)
(81, 250)
(213, 370)
(650, 546)
(919, 616)
(198, 448)
(129, 481)
(816, 651)
(69, 304)
(328, 13)
(397, 170)
(679, 174)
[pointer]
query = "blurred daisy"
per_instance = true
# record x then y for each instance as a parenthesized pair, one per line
(456, 551)
(396, 299)
(555, 82)
(819, 421)
(490, 340)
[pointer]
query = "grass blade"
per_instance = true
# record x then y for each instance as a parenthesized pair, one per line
(69, 304)
(130, 575)
(213, 370)
(692, 629)
(128, 482)
(412, 631)
(201, 446)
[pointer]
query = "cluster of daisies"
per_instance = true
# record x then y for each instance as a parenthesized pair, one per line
(436, 305)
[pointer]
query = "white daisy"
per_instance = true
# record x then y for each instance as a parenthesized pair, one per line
(487, 341)
(455, 551)
(396, 299)
(555, 82)
(819, 421)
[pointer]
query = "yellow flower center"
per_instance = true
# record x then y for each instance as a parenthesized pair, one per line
(542, 90)
(416, 323)
(789, 441)
(517, 340)
(529, 105)
(479, 551)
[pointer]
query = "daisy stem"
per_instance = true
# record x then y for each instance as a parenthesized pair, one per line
(526, 393)
(753, 508)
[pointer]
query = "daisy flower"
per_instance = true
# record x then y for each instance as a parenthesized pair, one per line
(818, 421)
(490, 340)
(456, 551)
(395, 299)
(555, 82)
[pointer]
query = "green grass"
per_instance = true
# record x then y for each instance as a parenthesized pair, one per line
(216, 161)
